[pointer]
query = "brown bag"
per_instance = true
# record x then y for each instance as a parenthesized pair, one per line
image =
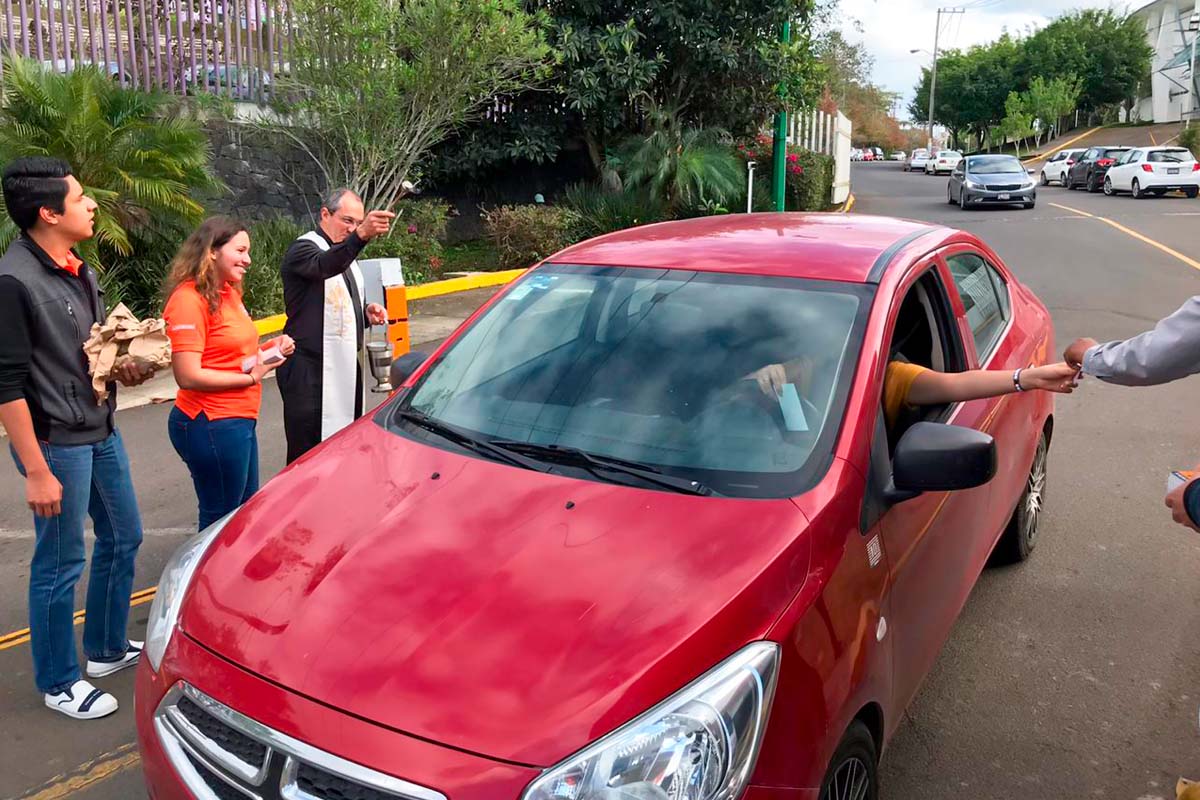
(122, 339)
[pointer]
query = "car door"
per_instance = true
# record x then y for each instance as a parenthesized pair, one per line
(1129, 165)
(1118, 175)
(1080, 170)
(926, 539)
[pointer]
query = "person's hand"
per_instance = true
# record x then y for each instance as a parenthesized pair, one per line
(285, 343)
(770, 380)
(1058, 378)
(43, 493)
(1073, 355)
(376, 314)
(376, 224)
(131, 373)
(1179, 512)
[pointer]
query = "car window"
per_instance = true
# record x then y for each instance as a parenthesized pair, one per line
(994, 165)
(985, 298)
(1173, 156)
(657, 367)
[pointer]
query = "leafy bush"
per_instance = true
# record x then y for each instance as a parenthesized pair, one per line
(809, 176)
(136, 153)
(524, 235)
(602, 211)
(1190, 138)
(262, 288)
(416, 239)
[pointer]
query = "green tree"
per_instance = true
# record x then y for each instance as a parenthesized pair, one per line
(139, 155)
(1017, 124)
(1049, 100)
(1106, 51)
(380, 83)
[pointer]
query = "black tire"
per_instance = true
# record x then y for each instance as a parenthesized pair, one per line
(962, 200)
(949, 196)
(1108, 187)
(1067, 182)
(1192, 192)
(1136, 190)
(1020, 537)
(1028, 205)
(853, 772)
(1092, 186)
(1045, 180)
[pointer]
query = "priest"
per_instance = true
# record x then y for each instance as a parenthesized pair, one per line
(322, 384)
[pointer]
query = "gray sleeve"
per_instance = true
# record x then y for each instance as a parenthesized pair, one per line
(1168, 352)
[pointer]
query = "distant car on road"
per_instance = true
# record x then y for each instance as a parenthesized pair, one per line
(1089, 169)
(990, 180)
(879, 154)
(856, 154)
(944, 161)
(1154, 171)
(1055, 169)
(917, 160)
(898, 155)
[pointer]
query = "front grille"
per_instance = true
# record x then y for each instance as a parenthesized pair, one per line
(314, 782)
(1003, 187)
(236, 744)
(221, 754)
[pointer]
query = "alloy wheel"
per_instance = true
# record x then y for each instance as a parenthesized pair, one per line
(1035, 495)
(1137, 190)
(1108, 187)
(851, 781)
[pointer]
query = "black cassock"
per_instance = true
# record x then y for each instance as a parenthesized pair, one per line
(322, 383)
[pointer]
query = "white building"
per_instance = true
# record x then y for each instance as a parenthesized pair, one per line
(1174, 88)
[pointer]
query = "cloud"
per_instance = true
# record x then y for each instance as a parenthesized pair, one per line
(890, 28)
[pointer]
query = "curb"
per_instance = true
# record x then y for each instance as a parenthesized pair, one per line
(846, 206)
(422, 291)
(1063, 146)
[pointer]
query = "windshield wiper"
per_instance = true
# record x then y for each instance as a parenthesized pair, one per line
(466, 440)
(573, 456)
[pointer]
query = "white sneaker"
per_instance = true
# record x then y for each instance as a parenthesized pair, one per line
(101, 669)
(82, 701)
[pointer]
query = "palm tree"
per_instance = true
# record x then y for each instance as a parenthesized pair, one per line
(135, 152)
(683, 166)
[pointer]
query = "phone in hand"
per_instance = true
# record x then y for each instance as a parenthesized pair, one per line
(1179, 478)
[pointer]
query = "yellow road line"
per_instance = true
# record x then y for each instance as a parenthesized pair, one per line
(1191, 262)
(1062, 146)
(1152, 140)
(99, 769)
(849, 204)
(20, 637)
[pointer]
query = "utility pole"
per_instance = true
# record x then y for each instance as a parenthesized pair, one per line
(1194, 27)
(937, 31)
(779, 163)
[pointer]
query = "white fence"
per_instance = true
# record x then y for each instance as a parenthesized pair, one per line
(829, 134)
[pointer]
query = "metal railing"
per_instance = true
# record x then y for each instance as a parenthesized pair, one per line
(234, 48)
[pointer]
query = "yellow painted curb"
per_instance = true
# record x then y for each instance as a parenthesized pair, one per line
(89, 774)
(846, 206)
(1062, 146)
(272, 325)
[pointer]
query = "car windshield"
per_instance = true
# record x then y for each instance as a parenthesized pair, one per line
(1176, 156)
(1113, 152)
(657, 368)
(994, 165)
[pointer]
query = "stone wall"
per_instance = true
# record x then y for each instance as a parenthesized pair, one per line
(267, 176)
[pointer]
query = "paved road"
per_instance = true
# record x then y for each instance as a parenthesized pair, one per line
(1074, 676)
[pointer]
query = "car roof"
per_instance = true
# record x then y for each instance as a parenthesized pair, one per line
(852, 248)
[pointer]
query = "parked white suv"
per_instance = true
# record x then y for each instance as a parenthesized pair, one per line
(916, 160)
(1147, 171)
(1057, 167)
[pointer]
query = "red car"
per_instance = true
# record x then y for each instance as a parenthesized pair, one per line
(581, 554)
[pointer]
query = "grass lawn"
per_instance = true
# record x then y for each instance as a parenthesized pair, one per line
(477, 255)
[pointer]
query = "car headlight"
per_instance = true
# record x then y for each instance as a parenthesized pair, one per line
(699, 744)
(973, 184)
(172, 586)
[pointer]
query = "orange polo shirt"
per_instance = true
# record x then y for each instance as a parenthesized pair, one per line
(222, 339)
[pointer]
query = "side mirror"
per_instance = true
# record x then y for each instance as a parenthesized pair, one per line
(404, 366)
(933, 457)
(1029, 171)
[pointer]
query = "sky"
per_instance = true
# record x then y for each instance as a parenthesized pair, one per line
(890, 28)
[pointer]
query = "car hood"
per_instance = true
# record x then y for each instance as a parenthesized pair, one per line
(502, 611)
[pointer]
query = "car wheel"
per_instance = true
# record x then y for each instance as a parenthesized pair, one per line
(854, 771)
(1070, 184)
(1192, 193)
(1045, 180)
(1136, 190)
(962, 199)
(1020, 537)
(949, 196)
(1029, 205)
(1108, 187)
(1092, 186)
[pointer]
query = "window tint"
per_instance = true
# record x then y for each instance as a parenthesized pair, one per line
(1175, 156)
(985, 297)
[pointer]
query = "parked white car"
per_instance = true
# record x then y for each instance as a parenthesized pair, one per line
(917, 160)
(1146, 171)
(945, 161)
(1055, 169)
(855, 154)
(898, 155)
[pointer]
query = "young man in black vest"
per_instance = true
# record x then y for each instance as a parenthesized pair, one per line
(64, 443)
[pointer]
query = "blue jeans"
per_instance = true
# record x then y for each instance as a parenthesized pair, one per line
(96, 482)
(222, 456)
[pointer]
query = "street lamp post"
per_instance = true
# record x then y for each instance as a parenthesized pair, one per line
(937, 30)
